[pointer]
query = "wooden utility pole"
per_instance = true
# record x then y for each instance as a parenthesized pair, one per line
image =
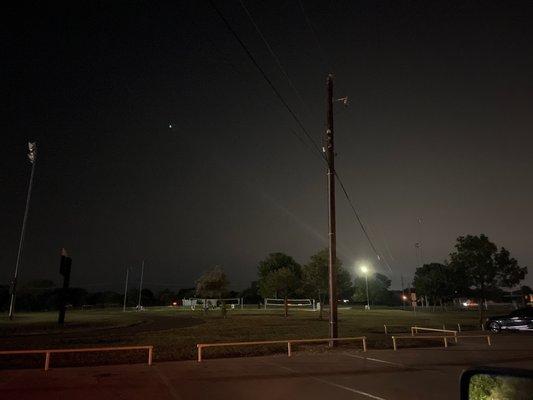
(330, 157)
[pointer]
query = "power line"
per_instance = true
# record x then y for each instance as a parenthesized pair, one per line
(275, 57)
(289, 109)
(315, 36)
(267, 79)
(360, 222)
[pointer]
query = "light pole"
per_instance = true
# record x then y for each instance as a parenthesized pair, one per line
(126, 288)
(364, 270)
(139, 306)
(32, 156)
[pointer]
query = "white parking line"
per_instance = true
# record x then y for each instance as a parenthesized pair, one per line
(349, 389)
(374, 359)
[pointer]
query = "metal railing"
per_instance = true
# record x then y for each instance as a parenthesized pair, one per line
(289, 343)
(443, 337)
(48, 352)
(416, 329)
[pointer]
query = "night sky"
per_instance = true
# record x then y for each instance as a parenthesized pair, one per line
(159, 139)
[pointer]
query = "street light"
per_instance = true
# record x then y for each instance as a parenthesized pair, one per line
(32, 156)
(364, 270)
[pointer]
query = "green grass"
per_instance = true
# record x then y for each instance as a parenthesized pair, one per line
(175, 332)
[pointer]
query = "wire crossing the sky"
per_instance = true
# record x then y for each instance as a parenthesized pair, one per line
(315, 147)
(267, 79)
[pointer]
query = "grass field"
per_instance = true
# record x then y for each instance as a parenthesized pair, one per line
(175, 332)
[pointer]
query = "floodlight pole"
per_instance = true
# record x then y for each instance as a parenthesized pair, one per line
(330, 157)
(367, 296)
(32, 155)
(141, 286)
(126, 288)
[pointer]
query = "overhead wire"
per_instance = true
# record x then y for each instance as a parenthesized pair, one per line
(267, 79)
(323, 56)
(292, 113)
(274, 56)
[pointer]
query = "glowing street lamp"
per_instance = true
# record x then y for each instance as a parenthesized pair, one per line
(364, 270)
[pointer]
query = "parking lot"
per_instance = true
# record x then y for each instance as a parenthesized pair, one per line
(340, 374)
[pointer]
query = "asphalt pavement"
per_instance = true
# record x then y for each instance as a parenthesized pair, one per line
(429, 373)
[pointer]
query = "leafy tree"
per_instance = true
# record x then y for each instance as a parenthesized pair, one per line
(316, 278)
(282, 281)
(251, 294)
(109, 297)
(378, 289)
(166, 297)
(434, 281)
(272, 263)
(213, 284)
(484, 267)
(525, 291)
(186, 293)
(36, 295)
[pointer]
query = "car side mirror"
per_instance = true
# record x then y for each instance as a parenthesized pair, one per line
(496, 383)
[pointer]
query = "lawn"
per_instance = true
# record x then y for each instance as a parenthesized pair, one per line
(175, 332)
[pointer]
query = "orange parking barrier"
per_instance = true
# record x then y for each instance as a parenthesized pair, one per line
(48, 352)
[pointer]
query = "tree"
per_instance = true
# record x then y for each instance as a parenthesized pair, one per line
(212, 285)
(525, 291)
(272, 263)
(166, 297)
(378, 289)
(316, 278)
(484, 267)
(283, 282)
(435, 281)
(251, 294)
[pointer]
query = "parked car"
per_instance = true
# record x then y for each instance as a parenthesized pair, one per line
(521, 319)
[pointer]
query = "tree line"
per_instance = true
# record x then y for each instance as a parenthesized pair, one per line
(476, 269)
(281, 277)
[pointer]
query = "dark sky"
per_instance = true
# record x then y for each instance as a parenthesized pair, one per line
(439, 127)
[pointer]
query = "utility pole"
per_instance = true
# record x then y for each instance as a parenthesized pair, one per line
(141, 286)
(32, 156)
(126, 288)
(330, 157)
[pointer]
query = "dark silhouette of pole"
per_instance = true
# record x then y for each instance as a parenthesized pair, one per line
(64, 269)
(126, 288)
(32, 156)
(141, 286)
(367, 296)
(330, 157)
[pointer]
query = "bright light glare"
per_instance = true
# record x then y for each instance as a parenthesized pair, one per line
(364, 269)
